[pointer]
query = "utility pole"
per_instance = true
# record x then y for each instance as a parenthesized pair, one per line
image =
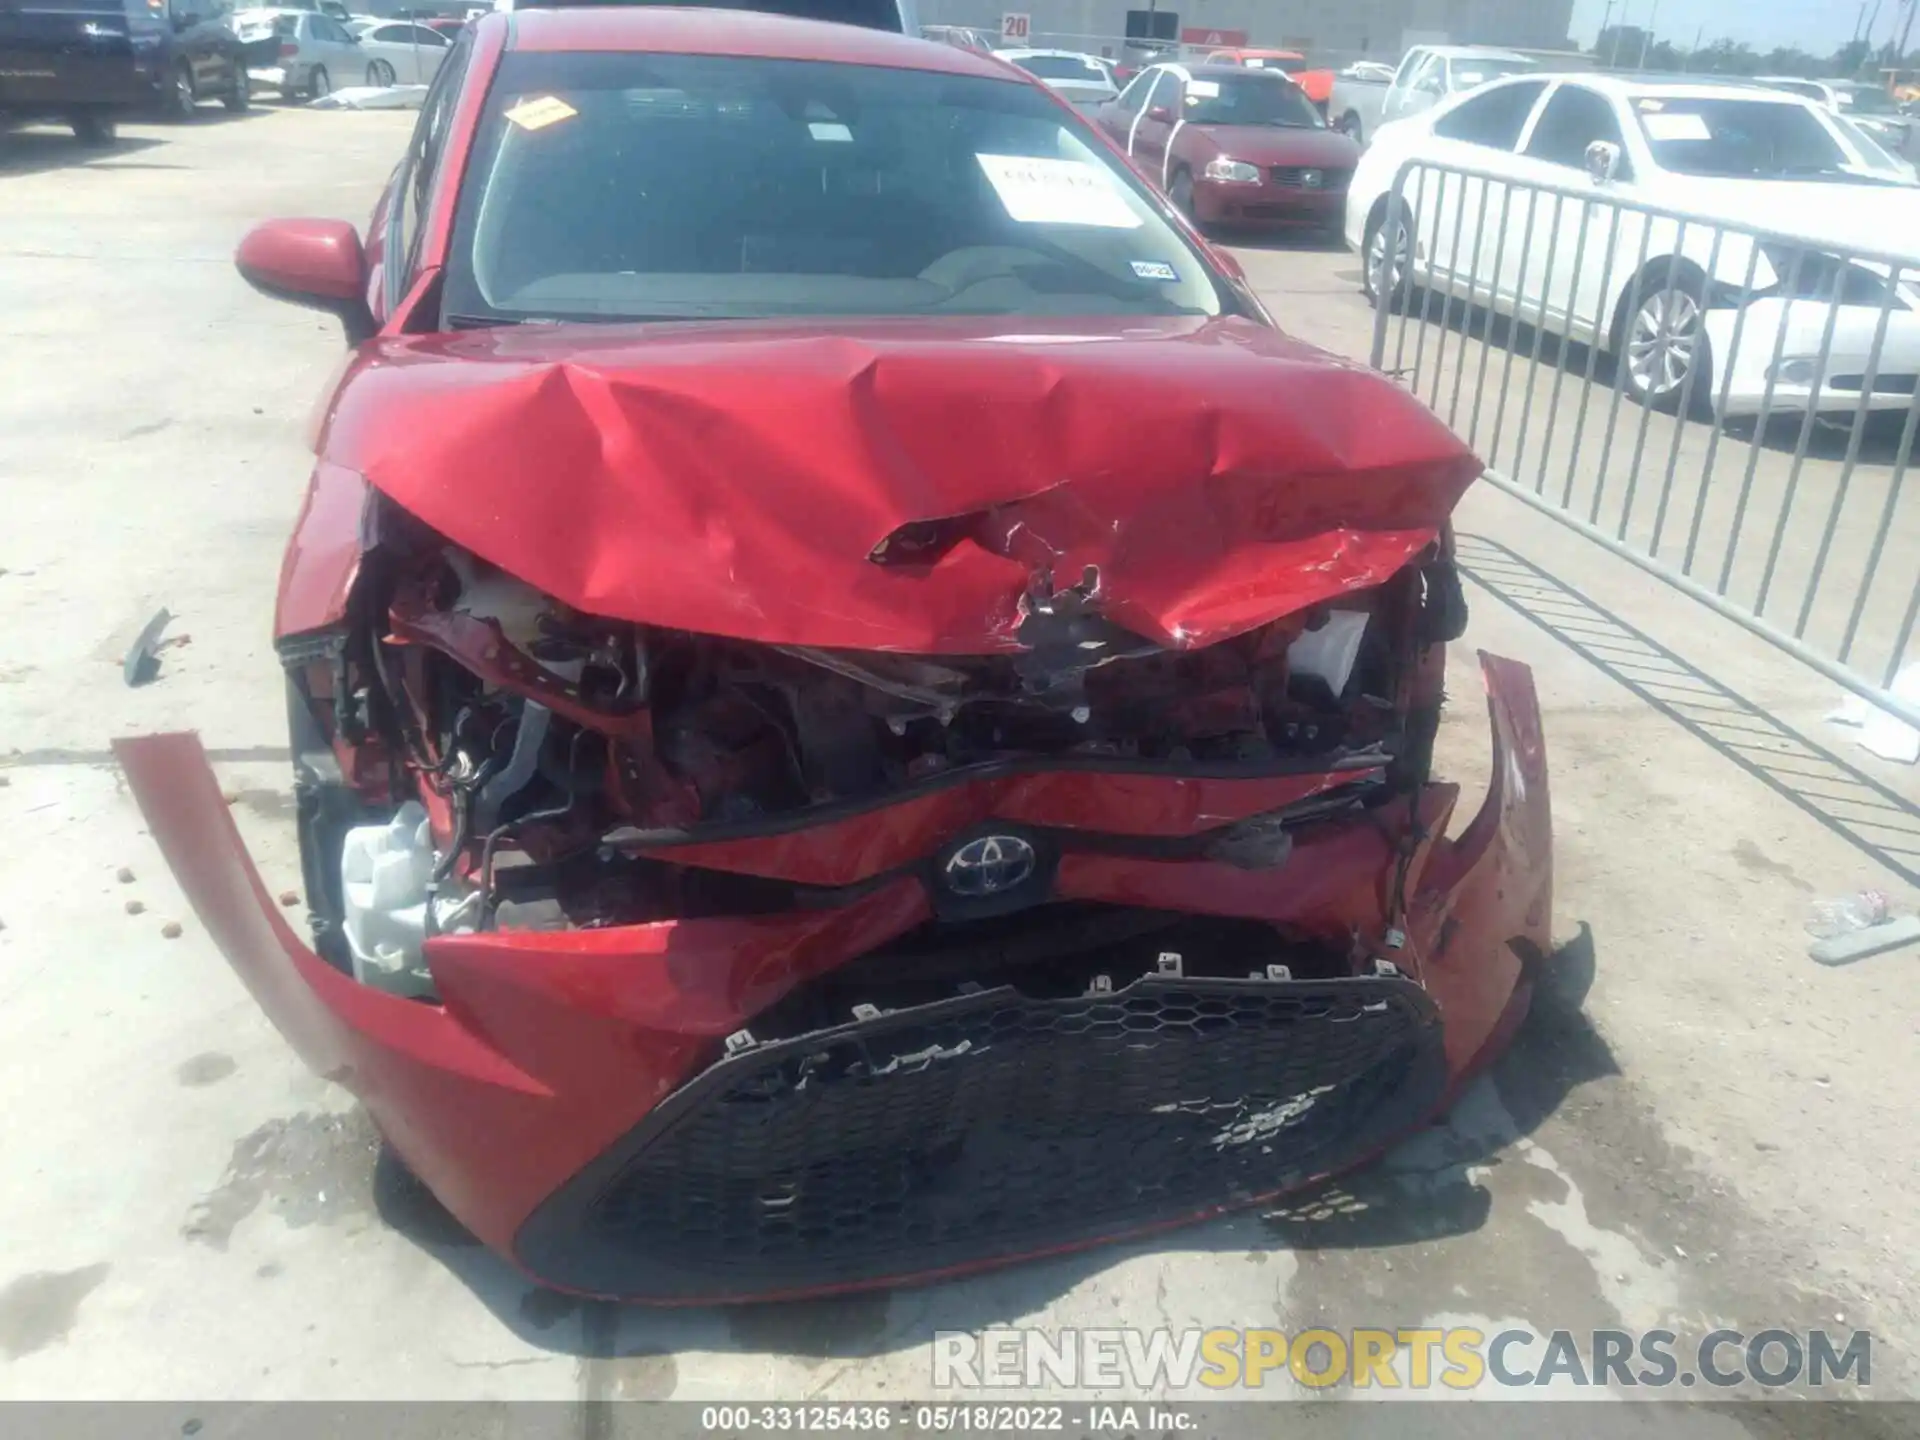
(1687, 63)
(1906, 32)
(1646, 36)
(1607, 19)
(1858, 20)
(1613, 61)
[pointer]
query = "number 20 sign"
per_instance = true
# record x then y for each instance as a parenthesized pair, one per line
(1016, 25)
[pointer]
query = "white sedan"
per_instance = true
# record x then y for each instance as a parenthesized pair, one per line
(1785, 201)
(1082, 80)
(401, 53)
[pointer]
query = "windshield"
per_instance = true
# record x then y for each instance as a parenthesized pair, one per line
(1470, 74)
(1061, 67)
(1249, 99)
(1866, 100)
(1756, 139)
(674, 187)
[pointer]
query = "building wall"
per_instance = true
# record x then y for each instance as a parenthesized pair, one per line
(1339, 29)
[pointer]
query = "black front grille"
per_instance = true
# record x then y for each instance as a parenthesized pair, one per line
(1882, 384)
(1298, 177)
(988, 1126)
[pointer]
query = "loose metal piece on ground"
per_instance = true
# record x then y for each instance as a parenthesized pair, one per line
(143, 659)
(1873, 940)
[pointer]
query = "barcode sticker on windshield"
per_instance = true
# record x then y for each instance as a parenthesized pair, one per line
(540, 113)
(1676, 127)
(829, 130)
(1154, 270)
(1057, 192)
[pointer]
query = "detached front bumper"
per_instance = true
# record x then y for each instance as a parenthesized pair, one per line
(575, 1099)
(1804, 323)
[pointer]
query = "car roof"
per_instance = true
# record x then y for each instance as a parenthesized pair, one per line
(1262, 53)
(1028, 52)
(745, 33)
(1475, 52)
(1675, 87)
(1207, 68)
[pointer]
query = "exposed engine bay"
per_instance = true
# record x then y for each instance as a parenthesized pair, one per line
(479, 755)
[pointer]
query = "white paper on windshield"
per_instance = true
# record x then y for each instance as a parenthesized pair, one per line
(1057, 192)
(1677, 127)
(540, 113)
(1203, 89)
(829, 130)
(1153, 270)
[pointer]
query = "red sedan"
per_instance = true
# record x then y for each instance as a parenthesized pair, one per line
(1233, 146)
(858, 712)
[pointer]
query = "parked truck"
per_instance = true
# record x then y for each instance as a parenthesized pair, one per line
(1427, 75)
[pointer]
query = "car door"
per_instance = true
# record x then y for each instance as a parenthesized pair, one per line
(1480, 133)
(1587, 240)
(430, 49)
(1118, 119)
(334, 48)
(1154, 127)
(192, 45)
(1417, 63)
(220, 53)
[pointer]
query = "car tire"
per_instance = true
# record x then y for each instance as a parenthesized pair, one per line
(1391, 222)
(239, 97)
(1663, 338)
(93, 128)
(319, 83)
(182, 103)
(380, 74)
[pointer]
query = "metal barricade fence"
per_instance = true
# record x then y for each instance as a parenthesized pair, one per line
(1731, 409)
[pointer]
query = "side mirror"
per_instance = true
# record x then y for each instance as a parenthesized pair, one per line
(1603, 161)
(1162, 113)
(315, 263)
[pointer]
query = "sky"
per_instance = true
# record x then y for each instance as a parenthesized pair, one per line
(1821, 26)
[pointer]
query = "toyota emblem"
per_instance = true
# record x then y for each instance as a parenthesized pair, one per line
(989, 865)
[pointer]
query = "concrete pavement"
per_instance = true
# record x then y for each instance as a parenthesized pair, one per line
(1719, 1134)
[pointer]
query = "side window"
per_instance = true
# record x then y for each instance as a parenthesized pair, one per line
(1429, 76)
(1134, 98)
(328, 29)
(1493, 118)
(1172, 93)
(417, 173)
(1575, 117)
(429, 39)
(1415, 58)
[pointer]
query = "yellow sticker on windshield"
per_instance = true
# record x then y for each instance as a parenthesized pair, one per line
(538, 114)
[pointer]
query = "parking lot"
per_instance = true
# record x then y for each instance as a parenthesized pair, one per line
(1716, 1132)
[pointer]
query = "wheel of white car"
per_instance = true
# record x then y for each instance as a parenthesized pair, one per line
(380, 74)
(1663, 340)
(1387, 233)
(319, 83)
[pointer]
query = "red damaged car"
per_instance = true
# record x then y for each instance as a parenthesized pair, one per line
(858, 711)
(1234, 146)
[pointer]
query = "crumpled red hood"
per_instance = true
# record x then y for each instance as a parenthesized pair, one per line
(735, 479)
